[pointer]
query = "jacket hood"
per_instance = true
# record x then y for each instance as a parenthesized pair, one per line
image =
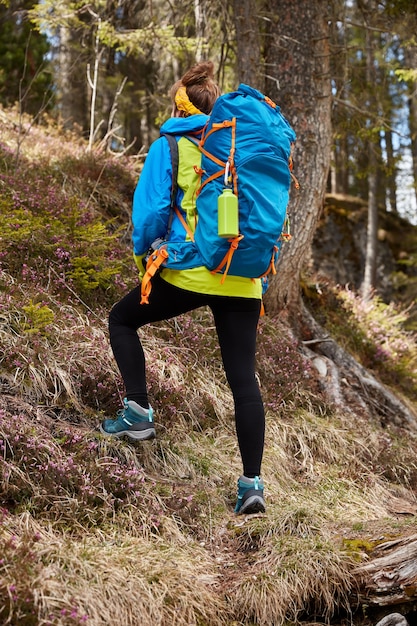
(184, 125)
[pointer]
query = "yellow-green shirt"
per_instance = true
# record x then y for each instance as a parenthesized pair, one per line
(201, 280)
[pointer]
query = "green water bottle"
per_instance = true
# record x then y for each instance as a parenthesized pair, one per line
(228, 214)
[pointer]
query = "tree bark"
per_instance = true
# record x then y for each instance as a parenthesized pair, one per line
(298, 61)
(200, 28)
(369, 279)
(72, 89)
(411, 57)
(392, 173)
(246, 14)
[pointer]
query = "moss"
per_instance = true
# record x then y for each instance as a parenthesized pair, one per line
(356, 548)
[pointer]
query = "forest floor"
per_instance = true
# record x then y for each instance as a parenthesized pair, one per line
(98, 531)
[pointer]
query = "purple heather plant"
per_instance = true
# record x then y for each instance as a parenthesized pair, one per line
(377, 334)
(53, 236)
(42, 470)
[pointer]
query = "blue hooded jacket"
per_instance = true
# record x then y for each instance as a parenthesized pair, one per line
(152, 197)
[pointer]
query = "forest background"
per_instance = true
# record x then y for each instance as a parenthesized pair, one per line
(100, 532)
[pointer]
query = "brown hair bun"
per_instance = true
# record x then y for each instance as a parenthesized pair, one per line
(202, 90)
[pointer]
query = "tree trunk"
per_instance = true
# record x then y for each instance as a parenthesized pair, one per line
(342, 185)
(392, 173)
(297, 56)
(72, 87)
(411, 56)
(200, 28)
(246, 15)
(369, 280)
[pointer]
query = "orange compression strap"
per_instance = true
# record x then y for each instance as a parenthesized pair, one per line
(291, 166)
(214, 128)
(212, 177)
(270, 102)
(271, 269)
(295, 181)
(232, 169)
(227, 259)
(154, 262)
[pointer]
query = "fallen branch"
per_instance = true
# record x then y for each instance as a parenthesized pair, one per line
(390, 577)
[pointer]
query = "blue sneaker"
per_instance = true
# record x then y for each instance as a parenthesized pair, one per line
(132, 421)
(250, 495)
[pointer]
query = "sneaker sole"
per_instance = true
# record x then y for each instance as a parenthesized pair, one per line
(135, 435)
(254, 504)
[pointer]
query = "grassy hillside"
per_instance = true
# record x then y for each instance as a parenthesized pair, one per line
(102, 532)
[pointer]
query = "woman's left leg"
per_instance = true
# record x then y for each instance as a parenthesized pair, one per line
(135, 420)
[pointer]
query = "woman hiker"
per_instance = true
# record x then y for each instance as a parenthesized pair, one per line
(235, 305)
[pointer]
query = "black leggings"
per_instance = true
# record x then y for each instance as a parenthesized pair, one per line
(236, 321)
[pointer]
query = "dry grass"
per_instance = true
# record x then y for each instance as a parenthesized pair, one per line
(293, 576)
(103, 531)
(168, 547)
(172, 551)
(110, 578)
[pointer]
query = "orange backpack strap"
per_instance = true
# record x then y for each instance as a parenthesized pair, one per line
(184, 223)
(157, 257)
(271, 269)
(228, 170)
(152, 266)
(231, 160)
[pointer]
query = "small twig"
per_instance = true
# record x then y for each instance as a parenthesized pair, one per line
(95, 185)
(310, 342)
(125, 150)
(74, 293)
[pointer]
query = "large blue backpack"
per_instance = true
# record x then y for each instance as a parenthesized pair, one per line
(247, 146)
(248, 135)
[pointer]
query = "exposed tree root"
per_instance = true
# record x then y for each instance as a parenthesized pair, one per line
(351, 386)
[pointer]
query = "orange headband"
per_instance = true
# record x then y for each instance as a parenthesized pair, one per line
(184, 104)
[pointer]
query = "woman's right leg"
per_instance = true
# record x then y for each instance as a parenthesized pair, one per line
(236, 323)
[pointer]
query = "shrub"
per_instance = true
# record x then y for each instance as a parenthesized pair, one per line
(65, 473)
(49, 236)
(281, 367)
(376, 333)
